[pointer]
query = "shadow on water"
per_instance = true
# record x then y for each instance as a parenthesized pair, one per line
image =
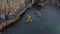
(48, 23)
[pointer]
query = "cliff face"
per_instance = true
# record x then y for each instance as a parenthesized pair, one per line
(10, 8)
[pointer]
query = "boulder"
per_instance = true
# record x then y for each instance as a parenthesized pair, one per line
(37, 13)
(28, 19)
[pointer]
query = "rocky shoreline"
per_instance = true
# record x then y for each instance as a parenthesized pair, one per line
(10, 10)
(8, 17)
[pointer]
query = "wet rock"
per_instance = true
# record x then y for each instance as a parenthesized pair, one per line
(28, 19)
(37, 13)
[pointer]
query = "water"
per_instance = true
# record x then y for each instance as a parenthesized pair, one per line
(48, 23)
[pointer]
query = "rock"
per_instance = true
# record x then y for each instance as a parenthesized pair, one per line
(37, 13)
(0, 32)
(10, 10)
(10, 15)
(22, 6)
(58, 5)
(28, 19)
(33, 1)
(1, 27)
(2, 16)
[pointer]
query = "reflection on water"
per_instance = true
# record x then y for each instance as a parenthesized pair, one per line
(48, 23)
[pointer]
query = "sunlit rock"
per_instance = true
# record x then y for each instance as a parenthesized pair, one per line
(28, 19)
(37, 13)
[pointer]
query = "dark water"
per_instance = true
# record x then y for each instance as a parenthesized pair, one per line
(48, 23)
